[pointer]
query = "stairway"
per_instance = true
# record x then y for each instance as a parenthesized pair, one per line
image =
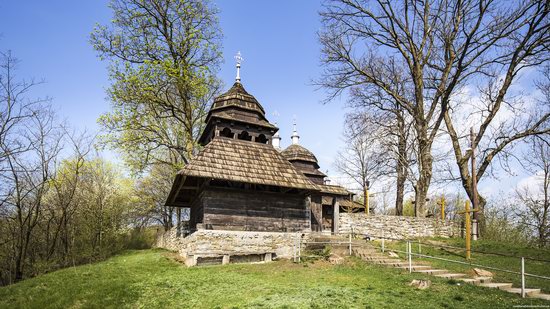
(372, 255)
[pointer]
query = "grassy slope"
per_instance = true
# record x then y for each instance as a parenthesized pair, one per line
(151, 279)
(503, 262)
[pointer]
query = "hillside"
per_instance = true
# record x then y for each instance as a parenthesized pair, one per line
(154, 279)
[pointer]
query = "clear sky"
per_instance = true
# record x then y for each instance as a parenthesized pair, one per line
(277, 39)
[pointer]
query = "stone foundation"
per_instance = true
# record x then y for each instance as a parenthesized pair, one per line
(206, 247)
(243, 245)
(395, 226)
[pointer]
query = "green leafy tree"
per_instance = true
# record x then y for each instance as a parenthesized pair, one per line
(163, 57)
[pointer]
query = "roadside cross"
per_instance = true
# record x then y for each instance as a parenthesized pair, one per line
(468, 225)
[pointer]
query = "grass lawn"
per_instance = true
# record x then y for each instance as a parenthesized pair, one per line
(503, 262)
(153, 279)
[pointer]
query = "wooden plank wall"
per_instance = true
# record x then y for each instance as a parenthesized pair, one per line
(316, 213)
(231, 209)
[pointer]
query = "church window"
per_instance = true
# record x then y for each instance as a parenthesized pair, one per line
(245, 136)
(226, 132)
(261, 139)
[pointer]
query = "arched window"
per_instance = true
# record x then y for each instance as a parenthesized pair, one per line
(226, 132)
(261, 139)
(244, 136)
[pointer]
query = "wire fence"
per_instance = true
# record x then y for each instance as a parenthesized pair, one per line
(353, 243)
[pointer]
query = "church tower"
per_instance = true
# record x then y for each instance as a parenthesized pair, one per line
(237, 114)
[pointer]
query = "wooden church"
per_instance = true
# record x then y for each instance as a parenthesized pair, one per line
(242, 180)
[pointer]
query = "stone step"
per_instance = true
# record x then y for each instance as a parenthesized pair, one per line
(470, 281)
(476, 280)
(540, 296)
(387, 261)
(373, 255)
(381, 258)
(528, 292)
(415, 267)
(431, 271)
(497, 285)
(398, 263)
(451, 275)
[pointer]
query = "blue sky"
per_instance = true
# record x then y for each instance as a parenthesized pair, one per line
(277, 39)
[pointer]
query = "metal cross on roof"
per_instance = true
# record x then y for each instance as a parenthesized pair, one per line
(239, 59)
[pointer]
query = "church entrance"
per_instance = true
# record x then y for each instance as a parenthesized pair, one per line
(328, 214)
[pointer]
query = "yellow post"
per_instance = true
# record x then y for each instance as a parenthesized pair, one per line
(468, 226)
(468, 232)
(443, 208)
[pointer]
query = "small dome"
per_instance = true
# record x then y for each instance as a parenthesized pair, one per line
(295, 152)
(238, 97)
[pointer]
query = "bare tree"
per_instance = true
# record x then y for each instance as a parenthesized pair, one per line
(364, 159)
(438, 47)
(29, 174)
(29, 142)
(152, 191)
(502, 42)
(392, 47)
(64, 187)
(534, 208)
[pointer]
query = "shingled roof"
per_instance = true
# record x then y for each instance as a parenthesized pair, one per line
(238, 97)
(333, 189)
(295, 152)
(243, 161)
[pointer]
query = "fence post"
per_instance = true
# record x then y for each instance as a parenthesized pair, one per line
(350, 244)
(522, 277)
(419, 248)
(383, 244)
(410, 256)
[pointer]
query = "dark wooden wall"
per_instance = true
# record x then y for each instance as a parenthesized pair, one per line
(235, 209)
(316, 213)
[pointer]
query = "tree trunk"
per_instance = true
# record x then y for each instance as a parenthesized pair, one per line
(401, 165)
(423, 184)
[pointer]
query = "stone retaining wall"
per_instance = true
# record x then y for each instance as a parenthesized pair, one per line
(395, 226)
(211, 243)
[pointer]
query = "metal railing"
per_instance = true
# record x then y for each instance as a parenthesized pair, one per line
(409, 253)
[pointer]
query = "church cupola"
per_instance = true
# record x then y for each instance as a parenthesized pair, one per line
(237, 114)
(303, 159)
(276, 140)
(295, 137)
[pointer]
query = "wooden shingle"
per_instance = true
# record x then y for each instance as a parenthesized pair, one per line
(243, 161)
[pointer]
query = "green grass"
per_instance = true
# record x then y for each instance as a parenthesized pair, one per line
(153, 279)
(502, 262)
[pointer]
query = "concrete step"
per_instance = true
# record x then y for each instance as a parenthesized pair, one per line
(484, 279)
(476, 280)
(387, 261)
(528, 292)
(540, 296)
(497, 285)
(451, 276)
(470, 281)
(415, 267)
(396, 263)
(431, 271)
(379, 258)
(370, 255)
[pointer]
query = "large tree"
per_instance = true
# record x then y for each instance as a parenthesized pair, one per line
(501, 43)
(437, 47)
(163, 58)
